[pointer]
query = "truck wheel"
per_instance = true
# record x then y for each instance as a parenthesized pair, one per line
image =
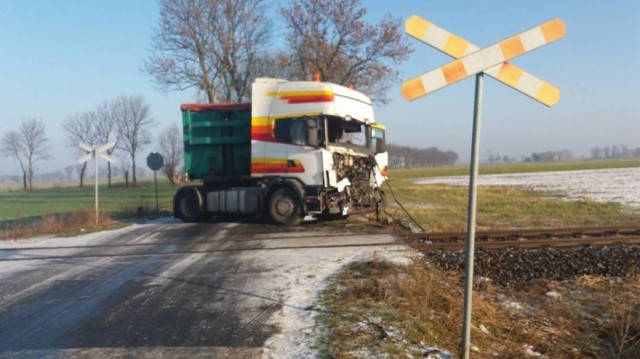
(285, 208)
(188, 204)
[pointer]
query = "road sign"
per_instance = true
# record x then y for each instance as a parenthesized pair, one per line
(95, 153)
(471, 60)
(100, 151)
(482, 59)
(155, 161)
(507, 73)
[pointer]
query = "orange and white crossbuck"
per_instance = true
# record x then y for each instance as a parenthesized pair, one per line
(492, 60)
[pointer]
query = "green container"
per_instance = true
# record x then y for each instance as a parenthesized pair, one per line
(217, 141)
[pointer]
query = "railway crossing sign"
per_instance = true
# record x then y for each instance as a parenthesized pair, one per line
(100, 152)
(97, 152)
(505, 72)
(471, 60)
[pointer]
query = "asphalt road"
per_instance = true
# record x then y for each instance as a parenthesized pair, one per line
(170, 289)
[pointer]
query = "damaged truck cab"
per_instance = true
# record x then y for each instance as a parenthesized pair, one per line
(299, 148)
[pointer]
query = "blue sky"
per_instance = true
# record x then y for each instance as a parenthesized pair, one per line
(65, 56)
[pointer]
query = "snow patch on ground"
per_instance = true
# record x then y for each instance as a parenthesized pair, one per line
(304, 276)
(620, 185)
(300, 275)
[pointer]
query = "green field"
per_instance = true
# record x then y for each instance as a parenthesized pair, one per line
(436, 206)
(439, 207)
(48, 198)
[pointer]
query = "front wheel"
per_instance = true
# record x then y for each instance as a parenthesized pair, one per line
(285, 208)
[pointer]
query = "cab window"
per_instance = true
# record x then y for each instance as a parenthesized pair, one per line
(296, 131)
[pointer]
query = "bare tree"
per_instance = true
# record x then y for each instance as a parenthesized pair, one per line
(133, 123)
(215, 46)
(171, 148)
(242, 36)
(332, 38)
(81, 127)
(12, 146)
(27, 145)
(107, 130)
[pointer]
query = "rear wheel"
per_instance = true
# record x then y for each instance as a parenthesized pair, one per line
(285, 208)
(188, 204)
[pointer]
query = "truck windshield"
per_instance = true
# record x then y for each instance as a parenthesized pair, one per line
(310, 131)
(344, 133)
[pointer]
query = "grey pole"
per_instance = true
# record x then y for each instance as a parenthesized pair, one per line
(95, 156)
(471, 218)
(155, 180)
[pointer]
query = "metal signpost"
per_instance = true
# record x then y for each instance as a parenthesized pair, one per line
(95, 153)
(472, 60)
(155, 162)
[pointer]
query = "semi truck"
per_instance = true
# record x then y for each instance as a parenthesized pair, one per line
(299, 148)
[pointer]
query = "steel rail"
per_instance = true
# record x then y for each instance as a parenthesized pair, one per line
(36, 257)
(532, 244)
(529, 234)
(234, 238)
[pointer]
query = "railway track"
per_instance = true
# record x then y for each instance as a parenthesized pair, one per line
(528, 238)
(167, 246)
(187, 252)
(490, 240)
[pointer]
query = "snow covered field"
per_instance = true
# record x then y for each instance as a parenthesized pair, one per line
(609, 185)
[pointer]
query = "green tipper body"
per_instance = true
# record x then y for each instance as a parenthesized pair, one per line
(217, 140)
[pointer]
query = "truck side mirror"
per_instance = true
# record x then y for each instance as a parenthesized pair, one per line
(380, 145)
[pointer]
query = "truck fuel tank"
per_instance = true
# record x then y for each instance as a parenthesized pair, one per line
(236, 200)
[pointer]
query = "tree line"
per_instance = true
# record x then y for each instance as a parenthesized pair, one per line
(596, 153)
(411, 157)
(124, 121)
(614, 151)
(550, 156)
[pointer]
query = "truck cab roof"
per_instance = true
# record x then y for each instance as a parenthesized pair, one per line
(216, 106)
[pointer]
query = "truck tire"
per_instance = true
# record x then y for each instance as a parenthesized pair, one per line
(284, 207)
(188, 203)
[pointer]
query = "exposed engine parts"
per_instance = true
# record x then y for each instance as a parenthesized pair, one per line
(360, 194)
(354, 168)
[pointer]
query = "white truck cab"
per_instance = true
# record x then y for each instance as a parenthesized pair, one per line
(307, 148)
